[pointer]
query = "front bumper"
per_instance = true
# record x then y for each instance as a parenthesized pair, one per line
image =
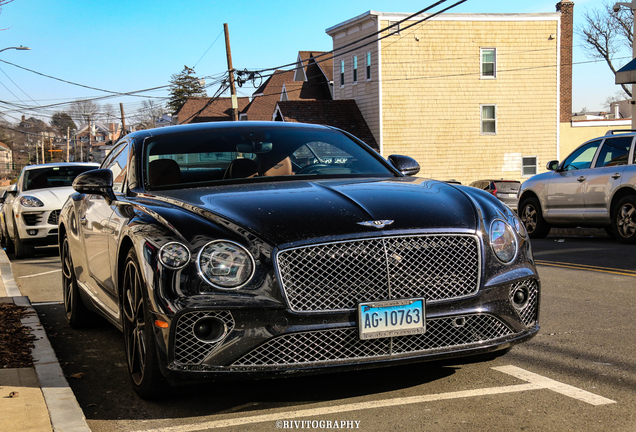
(38, 227)
(273, 342)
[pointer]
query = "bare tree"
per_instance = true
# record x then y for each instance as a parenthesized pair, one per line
(109, 113)
(606, 33)
(83, 110)
(146, 117)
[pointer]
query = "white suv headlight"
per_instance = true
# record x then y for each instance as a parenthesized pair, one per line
(225, 264)
(503, 241)
(29, 201)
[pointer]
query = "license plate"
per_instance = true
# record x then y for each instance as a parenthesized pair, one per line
(391, 318)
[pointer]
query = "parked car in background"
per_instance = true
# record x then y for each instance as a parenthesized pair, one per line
(3, 197)
(595, 186)
(505, 190)
(245, 249)
(30, 209)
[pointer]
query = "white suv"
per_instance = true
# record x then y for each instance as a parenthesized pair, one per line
(31, 209)
(595, 186)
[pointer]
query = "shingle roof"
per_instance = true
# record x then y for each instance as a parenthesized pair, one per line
(343, 114)
(326, 66)
(218, 110)
(264, 102)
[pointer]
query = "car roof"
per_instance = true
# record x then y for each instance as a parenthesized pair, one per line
(60, 164)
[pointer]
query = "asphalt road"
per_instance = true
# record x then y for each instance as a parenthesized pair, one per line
(578, 374)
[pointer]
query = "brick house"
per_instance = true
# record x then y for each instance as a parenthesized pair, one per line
(468, 96)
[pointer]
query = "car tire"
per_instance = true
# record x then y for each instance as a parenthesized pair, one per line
(77, 314)
(532, 218)
(624, 220)
(22, 249)
(7, 243)
(139, 338)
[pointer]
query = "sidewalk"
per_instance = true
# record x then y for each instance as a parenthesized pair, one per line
(45, 402)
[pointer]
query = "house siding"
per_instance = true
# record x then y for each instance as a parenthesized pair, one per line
(431, 92)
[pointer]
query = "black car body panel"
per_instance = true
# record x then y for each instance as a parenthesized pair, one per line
(315, 245)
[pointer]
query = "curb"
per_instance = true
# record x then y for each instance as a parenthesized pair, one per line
(65, 412)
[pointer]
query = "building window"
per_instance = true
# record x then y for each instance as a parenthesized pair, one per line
(394, 30)
(488, 63)
(342, 70)
(355, 69)
(368, 66)
(488, 119)
(528, 166)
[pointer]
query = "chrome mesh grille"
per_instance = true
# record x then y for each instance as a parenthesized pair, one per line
(188, 349)
(337, 276)
(528, 314)
(344, 344)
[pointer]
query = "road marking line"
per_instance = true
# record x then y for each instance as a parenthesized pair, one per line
(534, 382)
(39, 274)
(587, 267)
(556, 386)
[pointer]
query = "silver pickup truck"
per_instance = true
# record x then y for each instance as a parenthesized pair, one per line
(595, 186)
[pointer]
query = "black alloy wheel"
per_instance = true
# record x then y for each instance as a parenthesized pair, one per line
(141, 350)
(8, 244)
(22, 249)
(77, 315)
(532, 218)
(624, 220)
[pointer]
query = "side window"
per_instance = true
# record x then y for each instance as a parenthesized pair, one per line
(117, 163)
(488, 63)
(582, 157)
(488, 119)
(615, 151)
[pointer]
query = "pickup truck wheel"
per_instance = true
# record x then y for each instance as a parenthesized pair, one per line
(532, 218)
(624, 220)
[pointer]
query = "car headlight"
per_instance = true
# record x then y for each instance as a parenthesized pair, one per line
(521, 229)
(174, 255)
(29, 201)
(225, 264)
(503, 241)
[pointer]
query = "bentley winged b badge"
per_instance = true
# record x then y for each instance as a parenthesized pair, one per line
(376, 224)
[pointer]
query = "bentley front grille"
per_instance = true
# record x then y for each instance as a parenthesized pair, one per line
(338, 276)
(188, 348)
(339, 345)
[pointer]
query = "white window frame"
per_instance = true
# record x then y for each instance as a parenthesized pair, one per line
(342, 73)
(354, 69)
(536, 166)
(482, 119)
(367, 69)
(395, 30)
(481, 64)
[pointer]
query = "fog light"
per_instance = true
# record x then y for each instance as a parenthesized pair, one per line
(32, 232)
(520, 297)
(209, 330)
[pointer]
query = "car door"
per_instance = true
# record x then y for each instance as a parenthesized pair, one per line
(605, 177)
(96, 230)
(566, 190)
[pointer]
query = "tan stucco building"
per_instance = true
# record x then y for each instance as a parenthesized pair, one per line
(469, 96)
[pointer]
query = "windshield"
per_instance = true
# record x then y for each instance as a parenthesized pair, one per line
(52, 177)
(244, 153)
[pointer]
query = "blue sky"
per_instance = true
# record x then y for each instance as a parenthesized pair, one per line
(132, 45)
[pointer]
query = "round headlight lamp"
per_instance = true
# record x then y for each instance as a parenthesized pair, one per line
(174, 255)
(503, 241)
(225, 264)
(29, 201)
(521, 229)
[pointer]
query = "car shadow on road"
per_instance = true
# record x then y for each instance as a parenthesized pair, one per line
(94, 363)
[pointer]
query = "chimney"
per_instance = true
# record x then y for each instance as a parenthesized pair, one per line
(566, 7)
(23, 117)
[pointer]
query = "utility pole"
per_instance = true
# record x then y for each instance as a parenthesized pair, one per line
(68, 133)
(230, 70)
(123, 120)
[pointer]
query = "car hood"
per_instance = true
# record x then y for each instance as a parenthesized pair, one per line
(53, 198)
(292, 211)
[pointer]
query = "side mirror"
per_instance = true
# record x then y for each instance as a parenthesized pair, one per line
(96, 182)
(552, 165)
(404, 164)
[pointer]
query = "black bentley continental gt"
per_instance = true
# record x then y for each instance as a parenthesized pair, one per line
(246, 250)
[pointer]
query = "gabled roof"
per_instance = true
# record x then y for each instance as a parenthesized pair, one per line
(343, 114)
(324, 61)
(264, 99)
(205, 109)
